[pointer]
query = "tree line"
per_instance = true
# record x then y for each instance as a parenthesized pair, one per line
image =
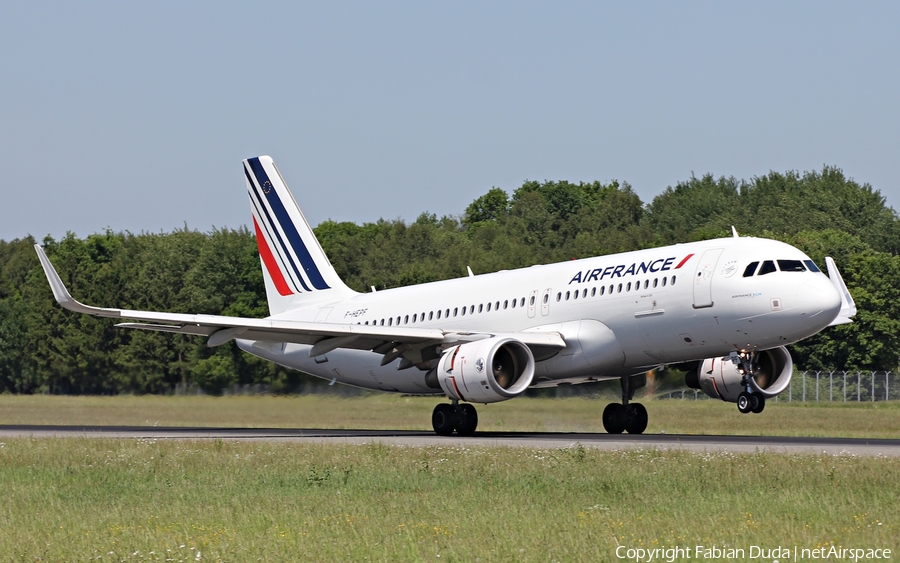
(44, 348)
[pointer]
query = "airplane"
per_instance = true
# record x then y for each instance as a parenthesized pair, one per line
(722, 309)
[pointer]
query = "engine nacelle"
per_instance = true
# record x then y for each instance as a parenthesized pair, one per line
(486, 371)
(721, 379)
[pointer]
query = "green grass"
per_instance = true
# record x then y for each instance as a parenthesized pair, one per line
(384, 411)
(81, 499)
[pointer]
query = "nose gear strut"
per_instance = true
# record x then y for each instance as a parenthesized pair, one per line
(750, 400)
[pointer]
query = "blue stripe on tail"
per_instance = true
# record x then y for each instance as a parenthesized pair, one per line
(268, 226)
(284, 219)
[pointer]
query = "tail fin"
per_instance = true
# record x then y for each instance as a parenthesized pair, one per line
(295, 268)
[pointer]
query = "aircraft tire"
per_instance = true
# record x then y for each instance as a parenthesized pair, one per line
(745, 402)
(639, 419)
(442, 419)
(760, 403)
(615, 418)
(468, 421)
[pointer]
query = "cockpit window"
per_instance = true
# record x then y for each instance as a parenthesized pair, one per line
(767, 268)
(812, 266)
(791, 266)
(750, 269)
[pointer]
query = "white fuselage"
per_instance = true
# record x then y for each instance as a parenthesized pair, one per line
(618, 314)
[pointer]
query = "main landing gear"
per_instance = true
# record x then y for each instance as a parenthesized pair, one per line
(627, 417)
(749, 400)
(456, 417)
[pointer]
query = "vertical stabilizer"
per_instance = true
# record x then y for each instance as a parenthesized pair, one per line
(295, 268)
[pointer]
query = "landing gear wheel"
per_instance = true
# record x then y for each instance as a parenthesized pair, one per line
(615, 418)
(745, 402)
(468, 420)
(442, 419)
(638, 419)
(760, 402)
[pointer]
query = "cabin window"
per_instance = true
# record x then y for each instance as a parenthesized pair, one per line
(431, 314)
(447, 314)
(398, 320)
(568, 294)
(471, 309)
(655, 281)
(628, 287)
(497, 306)
(750, 269)
(531, 301)
(480, 307)
(664, 281)
(391, 321)
(602, 289)
(439, 314)
(673, 281)
(646, 284)
(505, 304)
(619, 289)
(455, 311)
(575, 295)
(767, 268)
(559, 297)
(791, 266)
(593, 292)
(546, 298)
(812, 266)
(464, 311)
(415, 317)
(514, 303)
(406, 320)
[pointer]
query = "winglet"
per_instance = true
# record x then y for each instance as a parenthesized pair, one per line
(62, 295)
(848, 306)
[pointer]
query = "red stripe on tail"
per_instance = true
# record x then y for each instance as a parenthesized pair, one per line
(269, 260)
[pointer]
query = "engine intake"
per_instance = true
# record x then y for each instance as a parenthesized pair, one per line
(721, 379)
(486, 371)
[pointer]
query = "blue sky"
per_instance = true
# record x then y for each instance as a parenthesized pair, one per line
(135, 115)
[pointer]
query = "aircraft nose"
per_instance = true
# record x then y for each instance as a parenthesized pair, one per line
(820, 296)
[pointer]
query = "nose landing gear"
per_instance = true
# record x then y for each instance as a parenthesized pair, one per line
(749, 400)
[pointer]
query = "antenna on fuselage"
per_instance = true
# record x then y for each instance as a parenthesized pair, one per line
(734, 231)
(468, 269)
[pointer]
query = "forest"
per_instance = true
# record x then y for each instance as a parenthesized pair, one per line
(45, 349)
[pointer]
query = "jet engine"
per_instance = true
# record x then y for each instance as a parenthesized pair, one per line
(486, 371)
(720, 378)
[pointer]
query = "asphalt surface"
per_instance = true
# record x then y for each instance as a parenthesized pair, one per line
(541, 440)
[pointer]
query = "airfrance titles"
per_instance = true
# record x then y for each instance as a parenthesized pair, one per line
(620, 270)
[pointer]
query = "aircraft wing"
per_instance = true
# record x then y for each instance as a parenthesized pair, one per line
(324, 337)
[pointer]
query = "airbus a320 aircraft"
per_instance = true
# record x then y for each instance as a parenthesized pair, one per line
(723, 308)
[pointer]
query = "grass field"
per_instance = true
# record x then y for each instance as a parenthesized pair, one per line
(79, 499)
(82, 499)
(384, 411)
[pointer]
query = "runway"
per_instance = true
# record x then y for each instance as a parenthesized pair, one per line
(538, 440)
